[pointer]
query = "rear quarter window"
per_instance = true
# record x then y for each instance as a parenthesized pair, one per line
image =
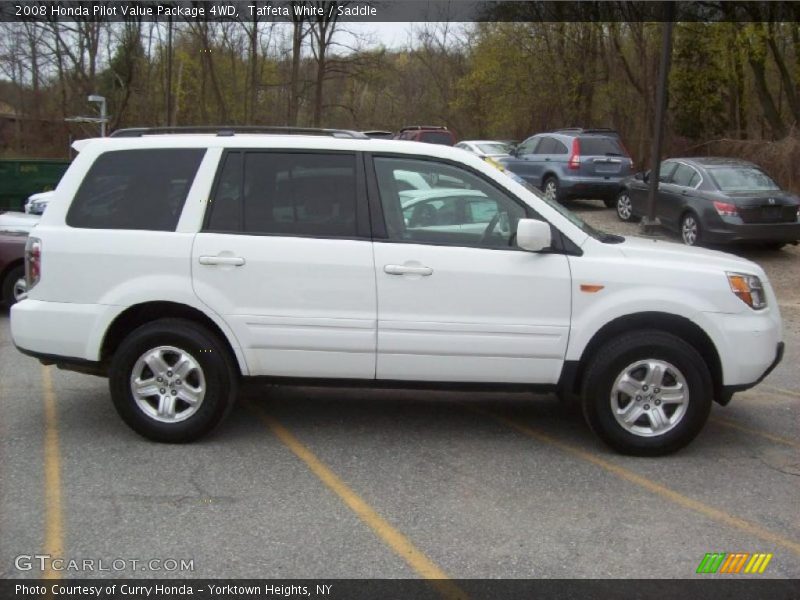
(135, 189)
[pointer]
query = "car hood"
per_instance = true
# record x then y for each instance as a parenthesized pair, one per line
(685, 256)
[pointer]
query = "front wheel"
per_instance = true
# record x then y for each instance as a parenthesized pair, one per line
(172, 380)
(625, 207)
(647, 393)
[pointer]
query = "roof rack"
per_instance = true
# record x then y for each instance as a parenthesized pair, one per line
(606, 130)
(419, 127)
(230, 130)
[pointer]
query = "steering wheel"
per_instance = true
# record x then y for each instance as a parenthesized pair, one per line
(487, 233)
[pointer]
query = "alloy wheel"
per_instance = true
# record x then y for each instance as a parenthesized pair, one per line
(168, 384)
(689, 230)
(551, 190)
(20, 290)
(624, 207)
(649, 397)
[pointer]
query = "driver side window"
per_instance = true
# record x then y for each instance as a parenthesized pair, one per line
(458, 209)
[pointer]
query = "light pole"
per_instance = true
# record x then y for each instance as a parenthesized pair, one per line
(102, 120)
(103, 116)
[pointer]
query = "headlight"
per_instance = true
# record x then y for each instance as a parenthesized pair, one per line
(749, 289)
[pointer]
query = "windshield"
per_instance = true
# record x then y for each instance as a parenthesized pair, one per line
(493, 148)
(573, 218)
(742, 179)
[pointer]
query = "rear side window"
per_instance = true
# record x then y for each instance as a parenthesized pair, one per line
(135, 189)
(600, 146)
(292, 194)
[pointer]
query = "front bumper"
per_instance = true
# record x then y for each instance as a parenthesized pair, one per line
(730, 390)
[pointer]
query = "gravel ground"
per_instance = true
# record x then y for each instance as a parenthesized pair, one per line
(782, 266)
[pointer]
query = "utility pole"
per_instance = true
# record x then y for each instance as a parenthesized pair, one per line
(169, 72)
(650, 223)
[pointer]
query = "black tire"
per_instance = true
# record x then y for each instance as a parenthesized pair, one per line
(686, 219)
(7, 297)
(624, 210)
(613, 359)
(774, 245)
(215, 365)
(552, 182)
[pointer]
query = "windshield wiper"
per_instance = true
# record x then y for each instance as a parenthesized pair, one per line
(611, 238)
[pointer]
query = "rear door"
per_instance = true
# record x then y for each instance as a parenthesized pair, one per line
(285, 257)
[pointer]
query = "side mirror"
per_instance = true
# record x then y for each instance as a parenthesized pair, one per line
(646, 176)
(639, 176)
(533, 235)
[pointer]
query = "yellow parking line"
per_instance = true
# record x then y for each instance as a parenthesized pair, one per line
(400, 544)
(710, 512)
(774, 438)
(53, 522)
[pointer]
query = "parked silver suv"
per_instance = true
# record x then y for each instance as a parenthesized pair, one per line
(572, 163)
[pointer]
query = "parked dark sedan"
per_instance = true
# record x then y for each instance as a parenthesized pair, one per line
(715, 200)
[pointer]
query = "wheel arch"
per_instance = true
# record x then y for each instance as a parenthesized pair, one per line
(139, 314)
(17, 262)
(574, 372)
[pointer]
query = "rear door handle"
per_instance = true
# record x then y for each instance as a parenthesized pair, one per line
(234, 261)
(406, 270)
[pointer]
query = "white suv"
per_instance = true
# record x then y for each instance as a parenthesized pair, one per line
(175, 264)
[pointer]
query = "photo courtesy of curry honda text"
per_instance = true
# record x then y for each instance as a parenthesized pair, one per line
(213, 256)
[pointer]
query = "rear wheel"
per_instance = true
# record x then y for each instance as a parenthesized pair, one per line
(691, 232)
(172, 380)
(647, 393)
(13, 286)
(550, 189)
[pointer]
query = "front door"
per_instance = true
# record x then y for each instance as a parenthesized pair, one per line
(457, 300)
(284, 257)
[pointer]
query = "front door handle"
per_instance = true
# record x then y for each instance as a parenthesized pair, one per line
(234, 261)
(407, 270)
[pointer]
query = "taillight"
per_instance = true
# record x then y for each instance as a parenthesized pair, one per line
(33, 261)
(725, 209)
(575, 157)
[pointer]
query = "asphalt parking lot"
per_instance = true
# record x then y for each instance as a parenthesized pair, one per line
(352, 483)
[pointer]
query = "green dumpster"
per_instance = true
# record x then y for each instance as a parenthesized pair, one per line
(19, 178)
